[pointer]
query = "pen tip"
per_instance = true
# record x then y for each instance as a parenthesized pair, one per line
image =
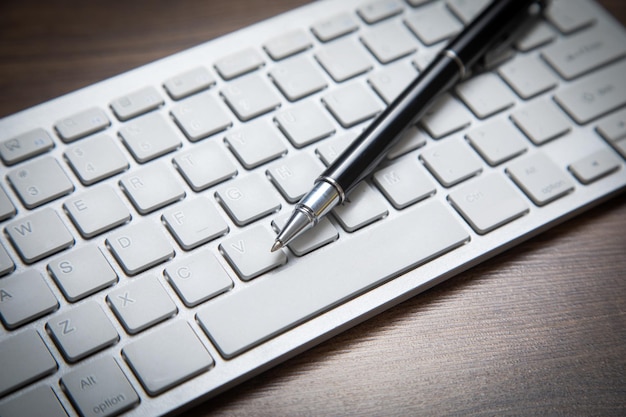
(277, 245)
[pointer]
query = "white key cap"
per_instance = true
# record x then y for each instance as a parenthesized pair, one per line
(297, 78)
(467, 10)
(433, 23)
(497, 141)
(599, 93)
(256, 143)
(294, 176)
(96, 210)
(310, 288)
(250, 96)
(389, 41)
(613, 127)
(189, 82)
(82, 124)
(287, 44)
(446, 116)
(99, 388)
(239, 63)
(149, 137)
(595, 166)
(304, 123)
(24, 297)
(248, 198)
(152, 187)
(344, 59)
(334, 27)
(322, 234)
(6, 263)
(352, 104)
(81, 331)
(139, 246)
(540, 178)
(82, 272)
(200, 116)
(412, 138)
(40, 181)
(541, 121)
(205, 165)
(136, 103)
(39, 235)
(174, 347)
(540, 34)
(330, 149)
(141, 304)
(584, 52)
(198, 278)
(247, 252)
(95, 159)
(488, 202)
(569, 16)
(404, 183)
(451, 162)
(378, 10)
(194, 222)
(392, 80)
(24, 358)
(40, 401)
(485, 94)
(7, 209)
(528, 76)
(25, 146)
(363, 206)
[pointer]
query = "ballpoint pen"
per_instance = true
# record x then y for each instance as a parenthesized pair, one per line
(491, 31)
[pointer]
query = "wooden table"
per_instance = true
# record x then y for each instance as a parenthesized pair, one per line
(538, 330)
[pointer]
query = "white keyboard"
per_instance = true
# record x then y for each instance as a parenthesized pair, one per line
(138, 213)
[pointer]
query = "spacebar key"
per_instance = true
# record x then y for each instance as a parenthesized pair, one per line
(297, 292)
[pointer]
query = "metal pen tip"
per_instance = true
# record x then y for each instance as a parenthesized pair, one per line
(277, 245)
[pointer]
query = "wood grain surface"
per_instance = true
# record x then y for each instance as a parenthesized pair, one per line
(539, 330)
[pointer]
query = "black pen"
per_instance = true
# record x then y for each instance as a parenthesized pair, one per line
(491, 30)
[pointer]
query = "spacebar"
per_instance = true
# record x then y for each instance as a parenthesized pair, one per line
(297, 292)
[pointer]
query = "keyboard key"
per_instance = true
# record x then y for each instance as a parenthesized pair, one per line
(6, 263)
(613, 127)
(297, 78)
(595, 166)
(40, 401)
(81, 331)
(7, 209)
(541, 121)
(205, 165)
(540, 34)
(39, 235)
(82, 272)
(136, 103)
(378, 10)
(310, 288)
(433, 23)
(293, 176)
(485, 95)
(152, 187)
(528, 76)
(256, 143)
(352, 104)
(466, 10)
(597, 94)
(446, 116)
(248, 199)
(389, 41)
(392, 80)
(149, 137)
(24, 358)
(322, 234)
(198, 278)
(96, 210)
(304, 123)
(287, 44)
(139, 246)
(362, 207)
(570, 16)
(497, 141)
(488, 202)
(99, 388)
(344, 59)
(540, 178)
(82, 124)
(334, 27)
(24, 297)
(404, 183)
(412, 138)
(330, 149)
(451, 162)
(25, 146)
(247, 252)
(250, 96)
(40, 181)
(201, 116)
(95, 159)
(189, 82)
(239, 63)
(194, 222)
(141, 304)
(175, 348)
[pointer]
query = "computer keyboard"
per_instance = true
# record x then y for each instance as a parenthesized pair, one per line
(138, 213)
